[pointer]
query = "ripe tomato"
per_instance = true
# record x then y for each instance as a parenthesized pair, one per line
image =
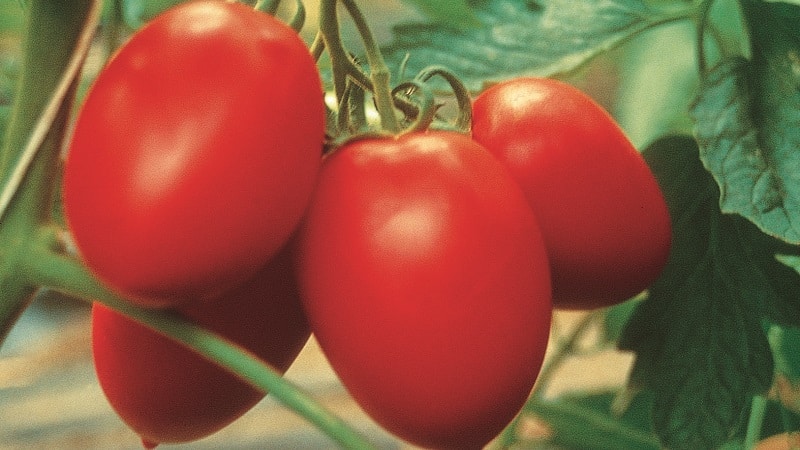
(425, 280)
(195, 153)
(166, 392)
(602, 214)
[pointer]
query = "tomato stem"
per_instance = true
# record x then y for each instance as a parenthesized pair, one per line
(463, 120)
(58, 36)
(758, 410)
(268, 6)
(378, 81)
(46, 265)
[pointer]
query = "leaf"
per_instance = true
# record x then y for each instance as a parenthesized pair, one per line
(453, 13)
(700, 347)
(747, 119)
(587, 421)
(523, 37)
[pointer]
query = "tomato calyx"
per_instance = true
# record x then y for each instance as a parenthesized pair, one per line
(406, 107)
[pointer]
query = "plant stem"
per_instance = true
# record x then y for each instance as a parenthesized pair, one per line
(342, 66)
(57, 37)
(268, 6)
(379, 71)
(46, 266)
(757, 411)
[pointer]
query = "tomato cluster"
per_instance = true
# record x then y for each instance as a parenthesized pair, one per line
(424, 263)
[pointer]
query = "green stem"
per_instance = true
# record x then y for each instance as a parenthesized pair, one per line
(58, 36)
(703, 14)
(579, 427)
(268, 6)
(379, 71)
(342, 66)
(45, 266)
(758, 410)
(463, 121)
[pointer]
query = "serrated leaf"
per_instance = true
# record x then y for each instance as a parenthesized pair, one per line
(748, 124)
(452, 13)
(523, 37)
(699, 343)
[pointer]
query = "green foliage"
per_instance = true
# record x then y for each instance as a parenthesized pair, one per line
(589, 421)
(700, 346)
(543, 38)
(450, 13)
(747, 118)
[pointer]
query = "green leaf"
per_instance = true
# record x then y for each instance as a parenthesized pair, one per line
(589, 421)
(452, 13)
(615, 318)
(748, 124)
(523, 37)
(700, 346)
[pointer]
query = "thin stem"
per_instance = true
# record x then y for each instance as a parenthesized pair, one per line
(758, 410)
(47, 115)
(62, 273)
(463, 121)
(702, 23)
(379, 71)
(317, 46)
(299, 17)
(424, 112)
(268, 6)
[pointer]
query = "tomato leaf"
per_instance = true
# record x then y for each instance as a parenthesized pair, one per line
(576, 420)
(747, 117)
(453, 13)
(700, 346)
(519, 37)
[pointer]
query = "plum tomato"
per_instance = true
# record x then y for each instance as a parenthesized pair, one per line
(168, 393)
(603, 217)
(425, 280)
(194, 153)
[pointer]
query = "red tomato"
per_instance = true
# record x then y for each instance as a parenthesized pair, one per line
(602, 214)
(425, 280)
(166, 392)
(195, 153)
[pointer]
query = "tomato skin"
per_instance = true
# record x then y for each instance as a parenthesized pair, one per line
(602, 214)
(426, 283)
(194, 153)
(166, 392)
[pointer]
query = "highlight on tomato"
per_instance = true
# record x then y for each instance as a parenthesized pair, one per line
(194, 153)
(425, 280)
(603, 217)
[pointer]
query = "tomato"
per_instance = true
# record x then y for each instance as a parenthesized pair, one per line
(782, 441)
(194, 153)
(604, 219)
(166, 392)
(426, 283)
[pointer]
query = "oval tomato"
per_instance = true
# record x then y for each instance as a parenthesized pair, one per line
(166, 392)
(602, 214)
(195, 153)
(425, 280)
